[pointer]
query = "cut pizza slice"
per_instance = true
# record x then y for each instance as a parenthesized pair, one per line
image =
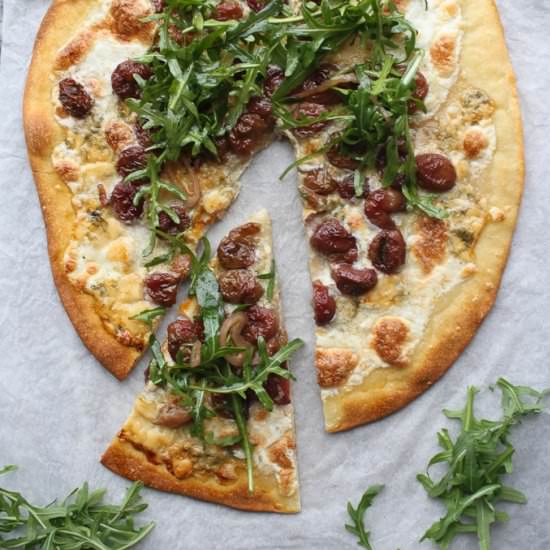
(402, 280)
(215, 421)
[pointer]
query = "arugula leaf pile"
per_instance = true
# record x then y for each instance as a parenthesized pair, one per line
(477, 460)
(357, 516)
(376, 114)
(380, 117)
(214, 374)
(81, 521)
(204, 72)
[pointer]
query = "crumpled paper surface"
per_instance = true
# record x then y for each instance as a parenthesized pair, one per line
(59, 409)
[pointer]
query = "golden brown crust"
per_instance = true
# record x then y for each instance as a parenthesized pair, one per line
(119, 135)
(442, 53)
(127, 16)
(474, 142)
(484, 64)
(123, 459)
(74, 51)
(42, 134)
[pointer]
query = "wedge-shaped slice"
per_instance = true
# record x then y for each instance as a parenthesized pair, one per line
(398, 293)
(215, 420)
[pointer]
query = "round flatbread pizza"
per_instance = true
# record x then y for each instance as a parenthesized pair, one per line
(141, 116)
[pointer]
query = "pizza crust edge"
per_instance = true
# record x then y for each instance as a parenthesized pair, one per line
(124, 460)
(484, 62)
(42, 135)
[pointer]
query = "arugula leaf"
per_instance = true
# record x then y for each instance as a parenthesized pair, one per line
(270, 277)
(82, 520)
(477, 460)
(149, 315)
(357, 516)
(302, 160)
(200, 87)
(257, 376)
(376, 114)
(237, 405)
(358, 183)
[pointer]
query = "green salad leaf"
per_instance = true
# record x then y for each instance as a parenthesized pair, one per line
(211, 373)
(357, 515)
(476, 462)
(83, 520)
(205, 71)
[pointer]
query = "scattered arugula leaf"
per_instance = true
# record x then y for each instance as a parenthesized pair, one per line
(477, 460)
(82, 520)
(357, 516)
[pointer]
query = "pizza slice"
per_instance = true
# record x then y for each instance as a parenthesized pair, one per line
(215, 420)
(409, 229)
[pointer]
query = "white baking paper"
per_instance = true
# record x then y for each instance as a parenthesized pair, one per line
(59, 409)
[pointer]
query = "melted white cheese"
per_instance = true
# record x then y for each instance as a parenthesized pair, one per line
(99, 13)
(415, 310)
(477, 165)
(94, 73)
(269, 430)
(134, 239)
(432, 23)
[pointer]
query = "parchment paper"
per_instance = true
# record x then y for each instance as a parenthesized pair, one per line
(59, 408)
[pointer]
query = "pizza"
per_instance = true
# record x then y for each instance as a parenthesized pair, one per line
(391, 323)
(194, 442)
(141, 116)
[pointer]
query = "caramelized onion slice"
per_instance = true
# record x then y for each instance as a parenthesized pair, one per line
(231, 331)
(191, 186)
(196, 354)
(171, 415)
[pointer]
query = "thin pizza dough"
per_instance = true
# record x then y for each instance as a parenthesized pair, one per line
(156, 445)
(67, 34)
